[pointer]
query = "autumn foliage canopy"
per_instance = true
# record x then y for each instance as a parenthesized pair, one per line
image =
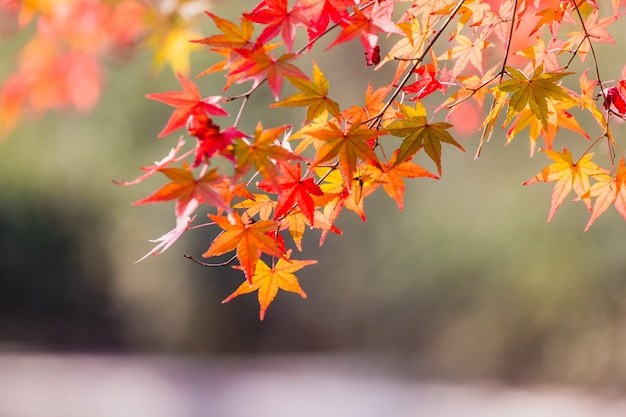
(262, 190)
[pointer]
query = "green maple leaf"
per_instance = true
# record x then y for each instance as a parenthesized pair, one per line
(418, 133)
(533, 92)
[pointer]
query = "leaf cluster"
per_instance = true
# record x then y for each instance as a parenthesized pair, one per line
(264, 190)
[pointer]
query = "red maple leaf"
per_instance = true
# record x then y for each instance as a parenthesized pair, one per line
(293, 190)
(321, 12)
(614, 100)
(427, 84)
(367, 24)
(210, 139)
(258, 64)
(188, 102)
(348, 145)
(275, 15)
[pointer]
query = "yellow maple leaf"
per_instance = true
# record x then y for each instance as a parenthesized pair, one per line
(568, 175)
(268, 280)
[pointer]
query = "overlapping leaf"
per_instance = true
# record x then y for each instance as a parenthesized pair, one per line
(348, 145)
(249, 238)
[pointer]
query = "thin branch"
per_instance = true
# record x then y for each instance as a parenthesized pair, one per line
(225, 263)
(376, 119)
(597, 68)
(485, 138)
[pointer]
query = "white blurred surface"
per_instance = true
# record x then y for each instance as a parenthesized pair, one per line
(290, 386)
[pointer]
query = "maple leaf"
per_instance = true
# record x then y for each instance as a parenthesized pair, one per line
(605, 190)
(186, 189)
(366, 25)
(533, 92)
(541, 54)
(551, 17)
(594, 29)
(321, 12)
(427, 84)
(262, 152)
(418, 133)
(468, 52)
(232, 40)
(276, 17)
(568, 175)
(293, 190)
(374, 105)
(258, 65)
(314, 95)
(559, 118)
(233, 37)
(586, 99)
(348, 146)
(188, 102)
(391, 177)
(609, 190)
(267, 281)
(410, 46)
(349, 195)
(260, 204)
(249, 238)
(614, 101)
(210, 139)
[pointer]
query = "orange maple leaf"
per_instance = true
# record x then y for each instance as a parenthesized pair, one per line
(260, 204)
(374, 104)
(348, 146)
(392, 177)
(568, 175)
(267, 281)
(232, 35)
(185, 188)
(262, 152)
(249, 238)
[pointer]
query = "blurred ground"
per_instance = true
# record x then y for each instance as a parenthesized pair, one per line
(304, 386)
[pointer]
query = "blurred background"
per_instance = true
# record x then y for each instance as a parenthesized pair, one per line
(466, 291)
